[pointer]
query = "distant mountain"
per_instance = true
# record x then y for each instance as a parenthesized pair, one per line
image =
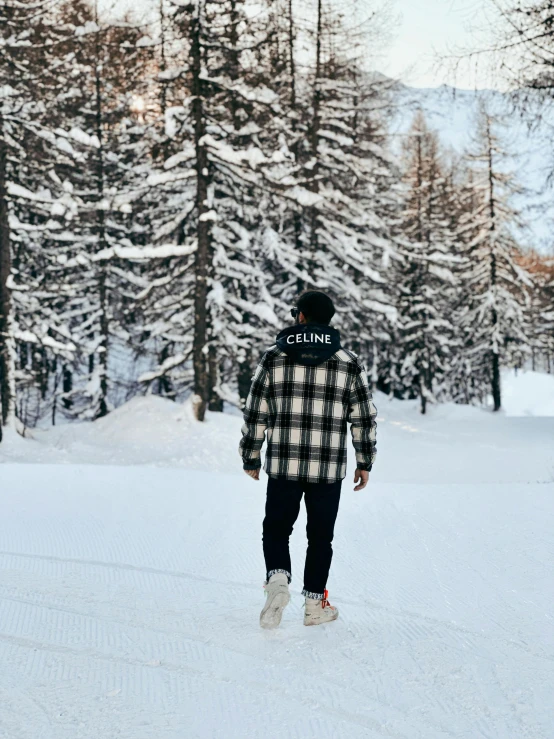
(452, 113)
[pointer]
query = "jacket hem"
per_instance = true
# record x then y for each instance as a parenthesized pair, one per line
(304, 478)
(251, 464)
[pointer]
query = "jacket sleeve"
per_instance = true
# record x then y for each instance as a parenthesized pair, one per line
(255, 415)
(362, 416)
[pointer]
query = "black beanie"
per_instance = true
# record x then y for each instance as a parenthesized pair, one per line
(316, 306)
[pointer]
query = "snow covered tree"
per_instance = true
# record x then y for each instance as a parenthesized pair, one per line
(165, 196)
(496, 286)
(540, 313)
(225, 134)
(33, 206)
(335, 230)
(104, 79)
(7, 351)
(424, 276)
(230, 191)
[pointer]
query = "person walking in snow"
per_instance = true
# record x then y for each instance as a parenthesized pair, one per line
(304, 392)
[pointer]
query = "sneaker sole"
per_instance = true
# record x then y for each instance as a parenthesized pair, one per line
(320, 623)
(270, 617)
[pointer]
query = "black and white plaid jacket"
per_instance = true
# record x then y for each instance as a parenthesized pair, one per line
(304, 392)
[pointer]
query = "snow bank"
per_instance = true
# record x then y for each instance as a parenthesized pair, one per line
(449, 444)
(527, 393)
(146, 430)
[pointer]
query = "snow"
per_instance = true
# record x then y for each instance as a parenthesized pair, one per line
(168, 364)
(186, 155)
(17, 191)
(252, 156)
(137, 253)
(44, 340)
(132, 570)
(84, 138)
(89, 27)
(146, 41)
(163, 178)
(249, 129)
(209, 215)
(303, 196)
(527, 393)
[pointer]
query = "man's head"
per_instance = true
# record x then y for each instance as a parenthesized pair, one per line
(315, 307)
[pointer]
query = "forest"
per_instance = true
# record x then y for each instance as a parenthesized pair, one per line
(168, 189)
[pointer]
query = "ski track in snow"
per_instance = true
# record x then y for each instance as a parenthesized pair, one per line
(130, 594)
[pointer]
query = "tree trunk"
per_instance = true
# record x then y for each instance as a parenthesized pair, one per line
(292, 65)
(67, 388)
(496, 381)
(495, 377)
(163, 67)
(102, 243)
(55, 391)
(201, 263)
(423, 394)
(43, 372)
(103, 348)
(215, 402)
(165, 386)
(316, 124)
(7, 357)
(297, 218)
(244, 380)
(233, 66)
(234, 74)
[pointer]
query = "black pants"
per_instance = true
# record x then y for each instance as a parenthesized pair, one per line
(281, 511)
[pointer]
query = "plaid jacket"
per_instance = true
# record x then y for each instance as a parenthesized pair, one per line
(303, 411)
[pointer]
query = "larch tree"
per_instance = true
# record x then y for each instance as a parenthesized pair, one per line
(540, 313)
(223, 139)
(104, 81)
(336, 230)
(497, 287)
(425, 277)
(33, 208)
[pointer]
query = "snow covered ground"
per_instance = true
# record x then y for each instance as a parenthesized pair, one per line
(131, 574)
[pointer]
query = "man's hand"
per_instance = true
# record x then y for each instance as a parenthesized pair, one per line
(254, 474)
(363, 477)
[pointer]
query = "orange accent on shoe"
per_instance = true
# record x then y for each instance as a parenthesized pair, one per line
(325, 602)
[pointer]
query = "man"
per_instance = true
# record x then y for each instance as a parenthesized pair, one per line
(305, 390)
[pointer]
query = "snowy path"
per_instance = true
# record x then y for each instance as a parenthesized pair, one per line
(129, 598)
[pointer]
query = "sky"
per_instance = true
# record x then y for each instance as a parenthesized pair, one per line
(428, 28)
(420, 29)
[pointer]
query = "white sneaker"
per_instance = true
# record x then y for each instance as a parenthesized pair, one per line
(277, 599)
(319, 611)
